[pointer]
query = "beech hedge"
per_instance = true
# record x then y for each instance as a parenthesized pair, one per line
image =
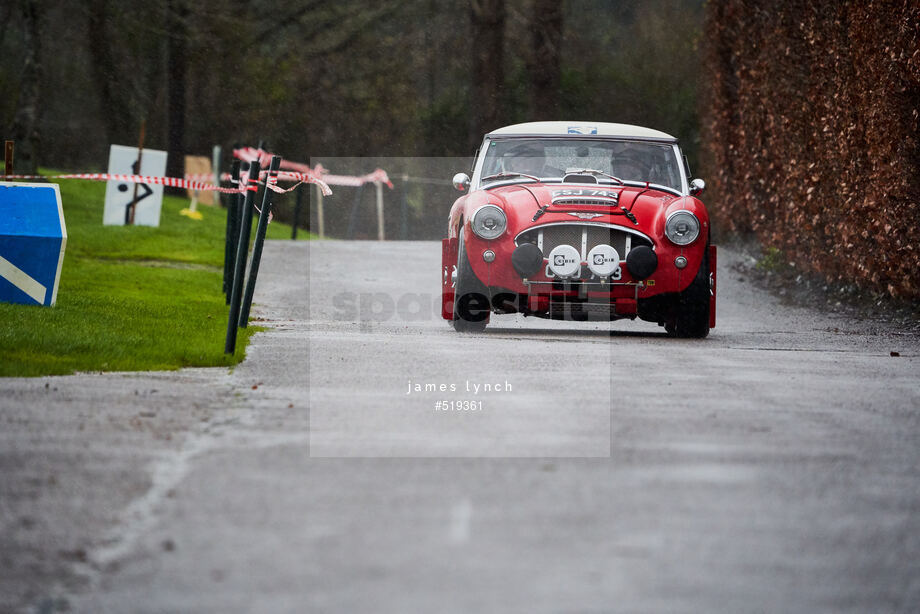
(811, 134)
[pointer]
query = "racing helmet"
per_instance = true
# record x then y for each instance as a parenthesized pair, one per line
(629, 163)
(528, 157)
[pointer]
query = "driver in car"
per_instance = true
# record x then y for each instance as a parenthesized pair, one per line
(628, 164)
(530, 159)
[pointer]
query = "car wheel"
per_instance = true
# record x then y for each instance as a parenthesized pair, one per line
(471, 299)
(691, 319)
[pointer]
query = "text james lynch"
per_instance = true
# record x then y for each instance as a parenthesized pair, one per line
(468, 386)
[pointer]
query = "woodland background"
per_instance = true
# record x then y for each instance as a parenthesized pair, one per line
(802, 115)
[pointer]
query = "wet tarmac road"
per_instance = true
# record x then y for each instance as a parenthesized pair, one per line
(770, 467)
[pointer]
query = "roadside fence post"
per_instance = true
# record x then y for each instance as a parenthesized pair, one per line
(297, 205)
(380, 232)
(264, 214)
(240, 262)
(320, 222)
(230, 232)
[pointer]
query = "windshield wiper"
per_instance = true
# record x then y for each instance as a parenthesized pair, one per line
(504, 174)
(591, 171)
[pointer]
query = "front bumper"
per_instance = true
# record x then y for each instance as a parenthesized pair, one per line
(584, 297)
(667, 277)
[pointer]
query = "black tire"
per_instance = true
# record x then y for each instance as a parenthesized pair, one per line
(691, 317)
(471, 298)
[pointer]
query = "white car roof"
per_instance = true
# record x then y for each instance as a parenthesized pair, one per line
(583, 128)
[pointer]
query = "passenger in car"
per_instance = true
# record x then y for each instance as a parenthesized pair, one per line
(628, 164)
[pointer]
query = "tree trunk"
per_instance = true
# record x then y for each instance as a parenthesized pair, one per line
(116, 112)
(543, 62)
(25, 127)
(486, 103)
(176, 64)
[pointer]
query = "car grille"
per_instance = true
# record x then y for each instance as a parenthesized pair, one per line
(572, 234)
(569, 200)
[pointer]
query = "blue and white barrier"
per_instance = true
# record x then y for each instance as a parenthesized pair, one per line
(32, 241)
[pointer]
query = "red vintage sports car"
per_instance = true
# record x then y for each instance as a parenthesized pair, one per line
(580, 221)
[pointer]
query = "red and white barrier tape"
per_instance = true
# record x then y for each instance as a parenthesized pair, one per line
(285, 176)
(202, 177)
(251, 154)
(378, 176)
(175, 182)
(299, 178)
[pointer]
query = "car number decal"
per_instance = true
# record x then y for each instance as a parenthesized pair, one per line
(585, 192)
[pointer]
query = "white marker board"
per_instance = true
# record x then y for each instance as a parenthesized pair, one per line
(119, 194)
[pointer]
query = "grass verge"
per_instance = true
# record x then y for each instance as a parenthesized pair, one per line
(131, 298)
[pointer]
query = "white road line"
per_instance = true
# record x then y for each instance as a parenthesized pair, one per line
(21, 280)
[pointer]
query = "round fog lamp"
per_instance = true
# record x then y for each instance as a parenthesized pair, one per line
(564, 261)
(680, 262)
(641, 262)
(603, 260)
(527, 259)
(488, 255)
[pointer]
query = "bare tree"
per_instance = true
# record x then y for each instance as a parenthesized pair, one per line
(176, 66)
(544, 61)
(25, 126)
(486, 100)
(105, 72)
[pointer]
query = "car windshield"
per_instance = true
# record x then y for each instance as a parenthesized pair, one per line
(551, 158)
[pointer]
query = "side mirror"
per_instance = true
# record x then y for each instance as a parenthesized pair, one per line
(697, 186)
(461, 181)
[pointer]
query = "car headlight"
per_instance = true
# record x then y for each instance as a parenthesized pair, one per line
(489, 222)
(682, 228)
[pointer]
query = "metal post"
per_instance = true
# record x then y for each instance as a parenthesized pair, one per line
(132, 206)
(236, 203)
(215, 165)
(257, 245)
(353, 218)
(8, 158)
(404, 210)
(240, 261)
(297, 204)
(230, 234)
(380, 233)
(320, 223)
(215, 169)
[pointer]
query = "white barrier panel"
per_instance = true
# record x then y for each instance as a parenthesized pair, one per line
(119, 195)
